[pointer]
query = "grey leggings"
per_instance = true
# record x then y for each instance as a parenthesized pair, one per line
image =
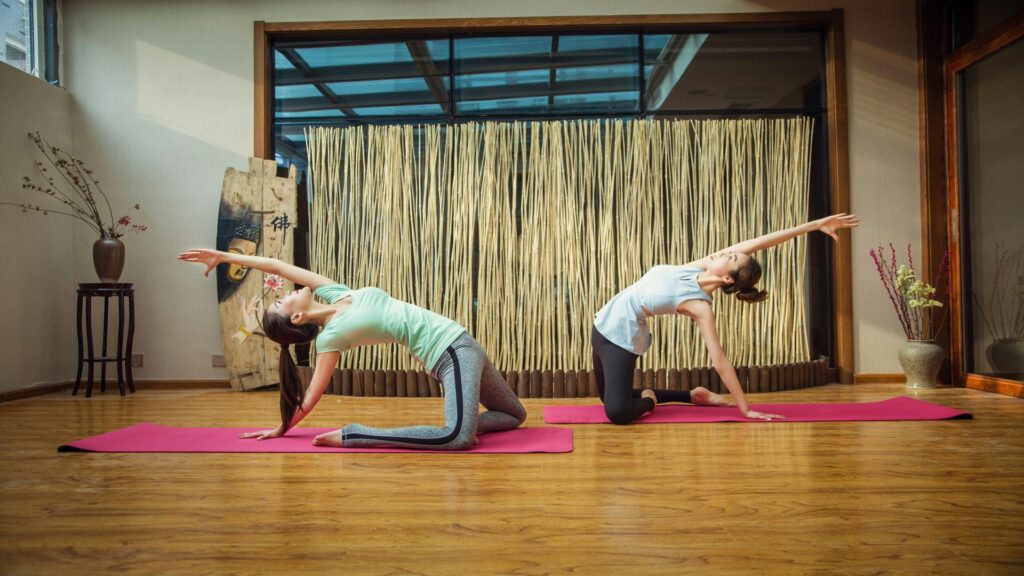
(469, 379)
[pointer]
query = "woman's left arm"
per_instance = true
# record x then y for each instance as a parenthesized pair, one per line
(212, 258)
(705, 319)
(829, 225)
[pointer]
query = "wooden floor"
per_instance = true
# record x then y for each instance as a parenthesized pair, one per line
(794, 498)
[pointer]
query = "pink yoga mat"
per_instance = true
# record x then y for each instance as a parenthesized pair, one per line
(147, 437)
(900, 408)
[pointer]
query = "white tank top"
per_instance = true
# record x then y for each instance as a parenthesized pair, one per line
(623, 321)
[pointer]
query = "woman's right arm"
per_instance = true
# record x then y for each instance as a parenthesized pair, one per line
(211, 258)
(705, 318)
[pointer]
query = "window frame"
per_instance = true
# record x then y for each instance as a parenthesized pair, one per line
(830, 22)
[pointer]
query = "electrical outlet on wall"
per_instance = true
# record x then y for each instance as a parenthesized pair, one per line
(218, 361)
(136, 360)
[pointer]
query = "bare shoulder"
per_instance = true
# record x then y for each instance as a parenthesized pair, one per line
(697, 309)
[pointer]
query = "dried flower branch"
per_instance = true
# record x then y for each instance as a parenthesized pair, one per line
(82, 201)
(913, 300)
(1004, 319)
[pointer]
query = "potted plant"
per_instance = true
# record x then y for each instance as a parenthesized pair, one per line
(81, 203)
(1002, 312)
(916, 308)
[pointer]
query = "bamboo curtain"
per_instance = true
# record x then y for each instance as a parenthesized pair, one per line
(522, 231)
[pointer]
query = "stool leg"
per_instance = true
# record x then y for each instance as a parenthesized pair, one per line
(131, 336)
(120, 343)
(78, 332)
(88, 333)
(103, 364)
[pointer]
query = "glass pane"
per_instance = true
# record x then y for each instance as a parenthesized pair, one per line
(969, 19)
(733, 71)
(992, 202)
(338, 83)
(534, 75)
(16, 33)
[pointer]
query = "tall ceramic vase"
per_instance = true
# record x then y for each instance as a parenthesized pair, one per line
(921, 360)
(108, 259)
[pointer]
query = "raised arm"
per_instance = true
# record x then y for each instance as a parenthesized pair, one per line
(211, 258)
(325, 365)
(829, 225)
(705, 318)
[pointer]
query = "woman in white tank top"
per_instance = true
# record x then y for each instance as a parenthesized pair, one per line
(621, 334)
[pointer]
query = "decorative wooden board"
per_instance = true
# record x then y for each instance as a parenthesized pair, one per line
(257, 217)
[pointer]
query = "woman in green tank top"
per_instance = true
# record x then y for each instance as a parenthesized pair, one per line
(347, 319)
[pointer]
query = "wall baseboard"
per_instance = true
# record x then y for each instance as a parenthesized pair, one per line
(112, 387)
(1015, 389)
(879, 378)
(34, 391)
(177, 384)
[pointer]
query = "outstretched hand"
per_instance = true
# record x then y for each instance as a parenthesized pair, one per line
(203, 256)
(263, 434)
(755, 415)
(831, 225)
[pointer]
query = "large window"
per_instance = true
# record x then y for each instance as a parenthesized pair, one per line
(28, 30)
(452, 79)
(16, 25)
(458, 77)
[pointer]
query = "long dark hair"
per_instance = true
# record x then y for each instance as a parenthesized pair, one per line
(280, 329)
(744, 279)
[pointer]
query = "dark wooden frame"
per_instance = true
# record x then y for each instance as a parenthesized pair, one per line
(977, 49)
(931, 30)
(831, 22)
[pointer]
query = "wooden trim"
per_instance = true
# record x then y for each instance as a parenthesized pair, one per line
(262, 131)
(956, 323)
(830, 21)
(879, 378)
(934, 213)
(31, 391)
(998, 37)
(179, 384)
(376, 27)
(997, 385)
(139, 385)
(839, 158)
(979, 48)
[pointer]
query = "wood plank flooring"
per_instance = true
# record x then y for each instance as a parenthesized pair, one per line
(779, 498)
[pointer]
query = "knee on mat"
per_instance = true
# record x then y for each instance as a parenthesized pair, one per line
(520, 415)
(618, 414)
(461, 442)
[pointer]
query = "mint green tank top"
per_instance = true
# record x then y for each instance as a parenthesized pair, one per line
(374, 317)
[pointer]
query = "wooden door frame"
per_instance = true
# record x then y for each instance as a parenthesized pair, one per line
(977, 49)
(831, 22)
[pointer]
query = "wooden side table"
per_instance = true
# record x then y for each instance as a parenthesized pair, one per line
(122, 357)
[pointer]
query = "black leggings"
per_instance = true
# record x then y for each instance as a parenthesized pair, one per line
(613, 369)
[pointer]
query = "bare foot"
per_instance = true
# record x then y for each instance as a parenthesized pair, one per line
(703, 397)
(328, 439)
(648, 393)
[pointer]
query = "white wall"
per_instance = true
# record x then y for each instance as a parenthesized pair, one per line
(37, 342)
(163, 102)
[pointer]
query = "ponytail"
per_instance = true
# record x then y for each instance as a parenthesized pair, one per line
(751, 295)
(291, 386)
(281, 330)
(745, 277)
